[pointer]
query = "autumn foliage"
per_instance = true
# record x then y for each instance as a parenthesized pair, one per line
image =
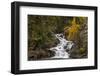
(41, 30)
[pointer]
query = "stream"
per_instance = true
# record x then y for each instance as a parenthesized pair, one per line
(61, 47)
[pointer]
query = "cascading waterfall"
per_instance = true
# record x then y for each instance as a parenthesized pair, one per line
(60, 49)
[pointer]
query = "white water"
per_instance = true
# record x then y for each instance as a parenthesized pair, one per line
(60, 49)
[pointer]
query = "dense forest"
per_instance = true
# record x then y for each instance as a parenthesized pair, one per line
(41, 30)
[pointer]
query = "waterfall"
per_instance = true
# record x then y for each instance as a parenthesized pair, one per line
(62, 46)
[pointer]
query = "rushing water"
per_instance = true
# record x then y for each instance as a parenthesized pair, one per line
(62, 46)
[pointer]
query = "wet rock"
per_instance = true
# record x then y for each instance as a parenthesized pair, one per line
(40, 54)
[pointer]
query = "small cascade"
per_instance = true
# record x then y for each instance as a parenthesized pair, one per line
(62, 46)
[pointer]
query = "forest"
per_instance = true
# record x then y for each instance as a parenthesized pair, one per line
(41, 31)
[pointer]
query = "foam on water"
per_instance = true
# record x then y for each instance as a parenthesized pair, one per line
(62, 46)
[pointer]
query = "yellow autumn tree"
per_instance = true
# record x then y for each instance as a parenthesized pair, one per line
(73, 30)
(77, 32)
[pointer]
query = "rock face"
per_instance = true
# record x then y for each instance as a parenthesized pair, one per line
(40, 54)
